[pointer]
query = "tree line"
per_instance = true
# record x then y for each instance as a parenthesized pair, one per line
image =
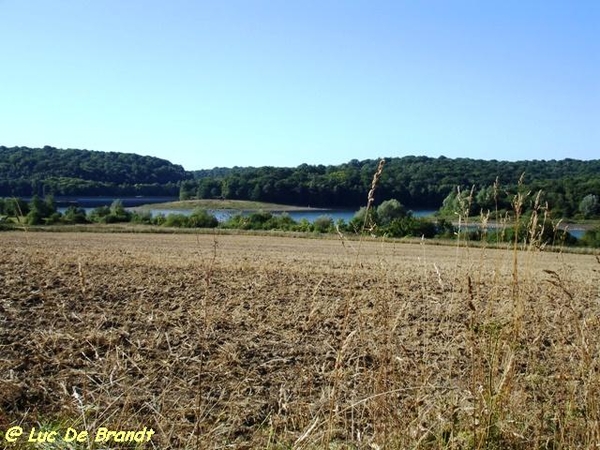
(571, 187)
(40, 171)
(417, 182)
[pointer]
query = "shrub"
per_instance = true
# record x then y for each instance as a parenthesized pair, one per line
(99, 214)
(282, 221)
(390, 210)
(74, 215)
(323, 224)
(15, 207)
(591, 238)
(57, 217)
(200, 218)
(445, 229)
(159, 219)
(303, 225)
(142, 217)
(589, 206)
(363, 219)
(237, 221)
(258, 220)
(410, 226)
(177, 220)
(114, 214)
(34, 217)
(118, 213)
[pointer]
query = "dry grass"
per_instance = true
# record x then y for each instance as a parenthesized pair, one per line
(271, 342)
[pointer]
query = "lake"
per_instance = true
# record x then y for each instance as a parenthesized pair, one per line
(89, 203)
(224, 214)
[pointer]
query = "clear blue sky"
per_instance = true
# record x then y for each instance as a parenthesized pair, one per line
(224, 83)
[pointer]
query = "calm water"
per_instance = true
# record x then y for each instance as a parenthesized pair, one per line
(345, 214)
(577, 233)
(89, 203)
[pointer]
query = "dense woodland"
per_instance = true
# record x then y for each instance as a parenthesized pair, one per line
(40, 171)
(571, 187)
(417, 182)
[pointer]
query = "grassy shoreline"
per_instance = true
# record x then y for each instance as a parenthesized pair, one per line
(239, 205)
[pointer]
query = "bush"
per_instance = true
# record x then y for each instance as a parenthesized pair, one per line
(591, 238)
(323, 224)
(260, 220)
(116, 213)
(34, 218)
(390, 210)
(303, 225)
(159, 219)
(362, 219)
(57, 218)
(237, 221)
(589, 206)
(445, 229)
(177, 220)
(200, 218)
(410, 226)
(74, 215)
(15, 207)
(142, 217)
(282, 221)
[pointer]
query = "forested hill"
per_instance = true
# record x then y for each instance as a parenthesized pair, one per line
(417, 182)
(26, 171)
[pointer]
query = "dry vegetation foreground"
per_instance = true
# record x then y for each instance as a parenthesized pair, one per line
(269, 342)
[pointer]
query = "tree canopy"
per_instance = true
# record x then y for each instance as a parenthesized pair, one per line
(29, 171)
(417, 182)
(570, 186)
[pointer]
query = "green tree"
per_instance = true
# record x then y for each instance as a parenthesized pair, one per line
(187, 190)
(177, 221)
(390, 210)
(74, 215)
(118, 213)
(34, 217)
(591, 238)
(363, 220)
(100, 214)
(39, 210)
(410, 226)
(143, 217)
(323, 224)
(589, 206)
(484, 200)
(15, 207)
(200, 218)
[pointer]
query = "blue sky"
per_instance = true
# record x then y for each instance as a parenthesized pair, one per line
(225, 83)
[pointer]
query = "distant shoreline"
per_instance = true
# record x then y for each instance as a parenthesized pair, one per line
(237, 205)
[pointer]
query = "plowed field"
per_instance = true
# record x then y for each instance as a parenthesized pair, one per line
(270, 342)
